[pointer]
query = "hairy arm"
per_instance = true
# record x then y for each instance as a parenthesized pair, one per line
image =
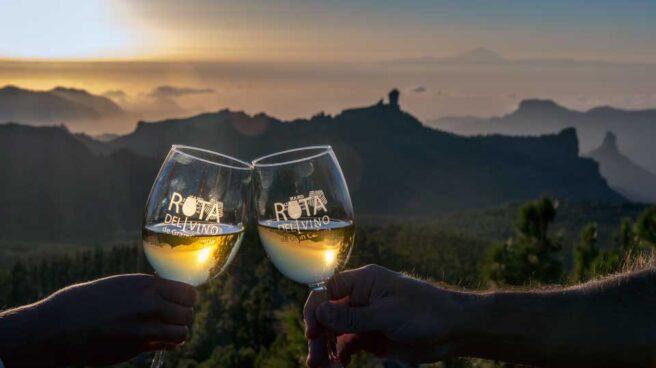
(606, 323)
(603, 323)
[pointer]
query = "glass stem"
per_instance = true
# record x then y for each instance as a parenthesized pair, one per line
(158, 359)
(331, 339)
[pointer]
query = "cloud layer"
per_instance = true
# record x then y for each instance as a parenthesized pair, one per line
(168, 91)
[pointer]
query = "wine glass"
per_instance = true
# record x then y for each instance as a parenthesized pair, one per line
(195, 216)
(304, 216)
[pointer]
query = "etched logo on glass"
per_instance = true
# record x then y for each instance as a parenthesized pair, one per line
(193, 213)
(302, 212)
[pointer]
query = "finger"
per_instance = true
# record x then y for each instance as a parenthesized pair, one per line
(372, 342)
(312, 327)
(318, 353)
(176, 314)
(342, 284)
(177, 292)
(347, 345)
(346, 319)
(356, 284)
(164, 333)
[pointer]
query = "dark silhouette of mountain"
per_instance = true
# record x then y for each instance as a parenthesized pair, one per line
(393, 164)
(635, 129)
(75, 187)
(633, 181)
(75, 107)
(93, 143)
(55, 189)
(105, 137)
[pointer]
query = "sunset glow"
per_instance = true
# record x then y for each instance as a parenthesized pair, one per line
(293, 59)
(66, 30)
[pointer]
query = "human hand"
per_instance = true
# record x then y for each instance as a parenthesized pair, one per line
(102, 322)
(385, 313)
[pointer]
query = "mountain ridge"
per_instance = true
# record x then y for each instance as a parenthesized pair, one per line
(394, 166)
(482, 56)
(76, 107)
(370, 134)
(634, 128)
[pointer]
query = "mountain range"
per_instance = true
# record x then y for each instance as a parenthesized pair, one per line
(55, 189)
(635, 129)
(76, 187)
(481, 56)
(79, 109)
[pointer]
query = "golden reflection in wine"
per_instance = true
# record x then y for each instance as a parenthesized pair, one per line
(307, 256)
(187, 256)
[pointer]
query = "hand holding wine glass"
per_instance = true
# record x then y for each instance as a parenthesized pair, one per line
(305, 216)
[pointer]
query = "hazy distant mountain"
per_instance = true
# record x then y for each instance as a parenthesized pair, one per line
(622, 174)
(75, 107)
(636, 129)
(479, 55)
(483, 56)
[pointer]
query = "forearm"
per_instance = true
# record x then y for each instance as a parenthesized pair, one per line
(610, 323)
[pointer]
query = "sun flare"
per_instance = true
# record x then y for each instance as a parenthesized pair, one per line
(66, 30)
(203, 255)
(329, 256)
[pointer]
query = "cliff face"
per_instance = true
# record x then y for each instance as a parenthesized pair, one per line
(634, 128)
(623, 175)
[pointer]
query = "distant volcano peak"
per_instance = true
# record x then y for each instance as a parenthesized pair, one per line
(481, 55)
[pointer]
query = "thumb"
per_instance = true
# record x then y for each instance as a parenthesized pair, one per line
(342, 318)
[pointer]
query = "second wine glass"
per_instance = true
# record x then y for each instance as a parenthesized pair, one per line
(304, 215)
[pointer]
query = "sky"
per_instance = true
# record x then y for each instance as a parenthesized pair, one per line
(362, 30)
(296, 58)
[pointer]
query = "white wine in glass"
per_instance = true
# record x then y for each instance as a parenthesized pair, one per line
(195, 216)
(304, 216)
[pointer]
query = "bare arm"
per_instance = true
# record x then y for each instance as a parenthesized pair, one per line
(604, 323)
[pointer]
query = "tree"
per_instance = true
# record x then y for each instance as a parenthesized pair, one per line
(21, 288)
(626, 238)
(290, 346)
(626, 247)
(646, 226)
(532, 256)
(585, 253)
